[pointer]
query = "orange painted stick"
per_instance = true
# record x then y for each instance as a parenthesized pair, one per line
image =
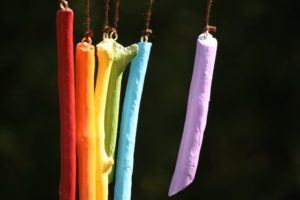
(85, 119)
(64, 26)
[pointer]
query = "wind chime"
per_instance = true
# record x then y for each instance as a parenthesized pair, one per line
(93, 129)
(197, 109)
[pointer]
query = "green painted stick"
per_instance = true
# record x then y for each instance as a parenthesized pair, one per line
(122, 57)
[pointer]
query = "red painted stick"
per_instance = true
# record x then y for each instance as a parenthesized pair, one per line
(64, 26)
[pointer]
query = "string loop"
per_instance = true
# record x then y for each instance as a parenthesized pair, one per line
(106, 29)
(144, 38)
(113, 34)
(87, 40)
(105, 36)
(209, 28)
(63, 4)
(88, 37)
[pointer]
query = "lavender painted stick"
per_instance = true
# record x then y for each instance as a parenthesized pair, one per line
(196, 115)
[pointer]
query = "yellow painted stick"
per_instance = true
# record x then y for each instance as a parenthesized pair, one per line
(103, 163)
(85, 121)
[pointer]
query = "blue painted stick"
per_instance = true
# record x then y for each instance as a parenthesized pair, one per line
(124, 167)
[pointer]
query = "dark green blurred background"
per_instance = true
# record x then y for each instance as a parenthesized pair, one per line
(251, 149)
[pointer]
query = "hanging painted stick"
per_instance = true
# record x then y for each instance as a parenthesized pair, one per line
(129, 119)
(64, 26)
(105, 53)
(85, 126)
(85, 114)
(197, 110)
(103, 162)
(122, 57)
(124, 165)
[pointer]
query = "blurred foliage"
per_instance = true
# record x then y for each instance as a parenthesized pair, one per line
(251, 147)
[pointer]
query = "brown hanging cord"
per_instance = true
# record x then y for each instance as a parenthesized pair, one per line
(88, 31)
(147, 31)
(110, 32)
(207, 27)
(106, 27)
(116, 17)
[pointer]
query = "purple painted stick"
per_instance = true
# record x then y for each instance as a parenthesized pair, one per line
(196, 115)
